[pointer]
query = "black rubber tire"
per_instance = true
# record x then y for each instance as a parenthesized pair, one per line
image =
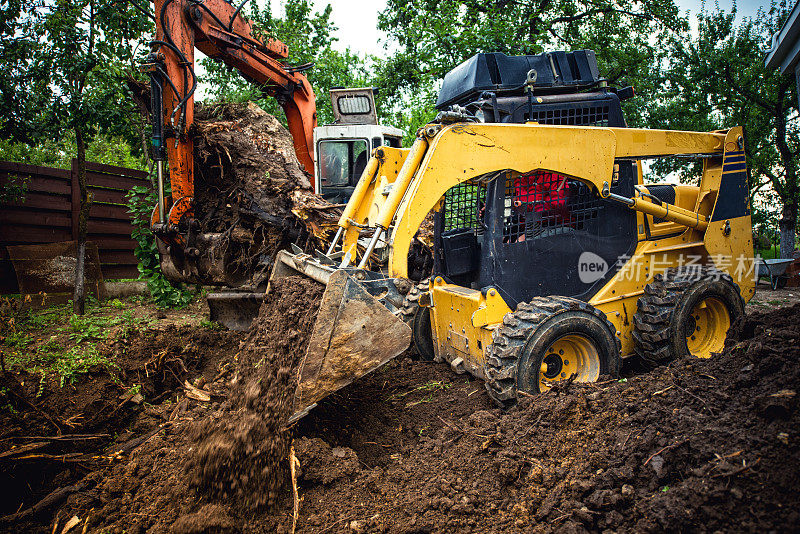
(417, 317)
(411, 301)
(519, 345)
(664, 310)
(422, 334)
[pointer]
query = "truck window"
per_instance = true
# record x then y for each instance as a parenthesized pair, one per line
(341, 163)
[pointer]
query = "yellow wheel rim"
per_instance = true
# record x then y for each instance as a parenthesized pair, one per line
(572, 354)
(707, 327)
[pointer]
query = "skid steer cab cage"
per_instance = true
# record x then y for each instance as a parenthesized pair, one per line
(397, 195)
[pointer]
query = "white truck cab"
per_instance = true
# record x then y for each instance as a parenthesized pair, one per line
(341, 149)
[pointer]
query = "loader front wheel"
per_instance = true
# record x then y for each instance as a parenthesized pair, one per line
(419, 319)
(548, 340)
(422, 334)
(685, 312)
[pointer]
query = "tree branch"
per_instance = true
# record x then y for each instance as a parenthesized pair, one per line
(749, 95)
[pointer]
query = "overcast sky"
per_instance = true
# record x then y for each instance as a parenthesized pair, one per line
(357, 20)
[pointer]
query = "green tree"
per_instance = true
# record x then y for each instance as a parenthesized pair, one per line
(435, 36)
(24, 87)
(309, 36)
(108, 149)
(717, 79)
(86, 46)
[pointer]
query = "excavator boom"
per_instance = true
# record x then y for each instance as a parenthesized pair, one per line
(215, 28)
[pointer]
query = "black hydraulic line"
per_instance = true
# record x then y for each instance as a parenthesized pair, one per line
(236, 12)
(168, 45)
(167, 35)
(184, 62)
(188, 93)
(169, 80)
(210, 13)
(181, 99)
(300, 68)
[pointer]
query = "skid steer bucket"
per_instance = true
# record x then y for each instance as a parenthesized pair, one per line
(354, 334)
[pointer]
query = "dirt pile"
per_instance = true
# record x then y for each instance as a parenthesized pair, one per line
(241, 455)
(209, 465)
(57, 442)
(695, 446)
(698, 445)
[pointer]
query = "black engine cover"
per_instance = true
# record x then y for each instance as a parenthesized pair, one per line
(507, 74)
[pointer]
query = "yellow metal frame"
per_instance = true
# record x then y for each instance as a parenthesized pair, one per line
(371, 193)
(442, 157)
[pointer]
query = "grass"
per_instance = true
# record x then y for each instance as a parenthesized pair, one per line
(769, 253)
(430, 388)
(56, 344)
(65, 365)
(211, 325)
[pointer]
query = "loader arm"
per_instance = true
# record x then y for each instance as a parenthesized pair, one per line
(215, 28)
(443, 157)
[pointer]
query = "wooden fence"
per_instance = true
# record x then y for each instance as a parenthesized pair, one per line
(48, 213)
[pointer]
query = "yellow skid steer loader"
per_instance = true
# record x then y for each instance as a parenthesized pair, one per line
(551, 258)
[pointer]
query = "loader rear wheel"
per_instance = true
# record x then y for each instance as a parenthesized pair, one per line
(685, 311)
(547, 340)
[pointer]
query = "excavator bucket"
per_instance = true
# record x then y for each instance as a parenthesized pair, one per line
(354, 334)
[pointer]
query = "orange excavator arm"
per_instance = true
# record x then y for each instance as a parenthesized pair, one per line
(215, 28)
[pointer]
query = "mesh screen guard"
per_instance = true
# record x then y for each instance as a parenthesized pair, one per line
(540, 201)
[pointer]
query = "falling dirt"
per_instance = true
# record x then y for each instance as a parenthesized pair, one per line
(240, 455)
(697, 446)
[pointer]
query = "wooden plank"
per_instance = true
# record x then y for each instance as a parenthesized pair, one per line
(105, 226)
(110, 196)
(114, 181)
(112, 242)
(112, 169)
(119, 271)
(24, 168)
(33, 217)
(109, 211)
(45, 201)
(42, 184)
(126, 257)
(17, 234)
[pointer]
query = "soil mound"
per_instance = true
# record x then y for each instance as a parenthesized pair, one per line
(243, 454)
(699, 445)
(98, 416)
